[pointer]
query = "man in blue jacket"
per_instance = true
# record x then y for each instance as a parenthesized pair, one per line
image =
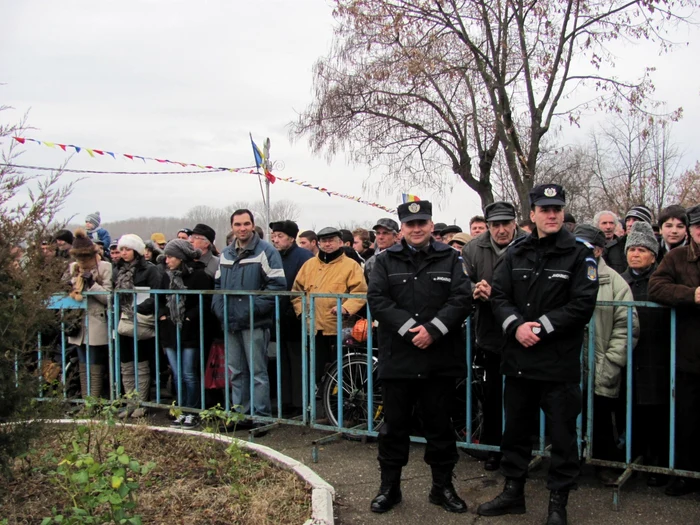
(250, 264)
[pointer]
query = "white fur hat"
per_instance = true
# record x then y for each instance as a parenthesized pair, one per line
(133, 242)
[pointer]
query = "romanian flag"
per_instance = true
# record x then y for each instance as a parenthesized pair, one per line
(407, 197)
(260, 160)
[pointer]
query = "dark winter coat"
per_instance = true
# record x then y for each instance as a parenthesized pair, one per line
(194, 277)
(146, 275)
(258, 267)
(408, 289)
(552, 281)
(674, 283)
(615, 255)
(480, 260)
(651, 356)
(293, 258)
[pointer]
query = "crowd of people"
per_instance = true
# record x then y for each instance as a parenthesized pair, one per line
(532, 287)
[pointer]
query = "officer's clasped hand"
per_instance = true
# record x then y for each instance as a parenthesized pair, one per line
(423, 339)
(525, 334)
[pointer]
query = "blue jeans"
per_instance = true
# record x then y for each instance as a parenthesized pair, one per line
(190, 377)
(240, 357)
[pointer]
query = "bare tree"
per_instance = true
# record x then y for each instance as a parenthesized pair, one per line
(424, 87)
(686, 190)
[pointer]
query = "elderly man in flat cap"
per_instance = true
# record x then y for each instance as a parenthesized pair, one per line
(480, 258)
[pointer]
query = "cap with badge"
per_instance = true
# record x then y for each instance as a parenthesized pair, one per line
(415, 211)
(389, 224)
(547, 195)
(287, 227)
(693, 215)
(590, 234)
(329, 231)
(499, 211)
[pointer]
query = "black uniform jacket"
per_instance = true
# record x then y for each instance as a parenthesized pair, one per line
(408, 289)
(553, 281)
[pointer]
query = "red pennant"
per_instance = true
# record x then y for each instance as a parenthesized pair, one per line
(161, 160)
(19, 139)
(130, 157)
(269, 176)
(62, 146)
(99, 152)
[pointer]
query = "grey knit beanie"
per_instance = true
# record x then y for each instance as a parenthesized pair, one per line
(641, 234)
(182, 249)
(94, 218)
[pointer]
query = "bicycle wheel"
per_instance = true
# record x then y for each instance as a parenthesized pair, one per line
(459, 418)
(355, 393)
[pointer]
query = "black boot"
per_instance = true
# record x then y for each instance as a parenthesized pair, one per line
(510, 501)
(443, 492)
(557, 507)
(389, 491)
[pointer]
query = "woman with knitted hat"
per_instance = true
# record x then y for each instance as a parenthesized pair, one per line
(181, 312)
(134, 271)
(651, 357)
(90, 274)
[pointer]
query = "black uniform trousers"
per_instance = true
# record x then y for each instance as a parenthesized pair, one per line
(493, 399)
(432, 398)
(561, 403)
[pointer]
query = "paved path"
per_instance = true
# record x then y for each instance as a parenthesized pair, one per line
(351, 467)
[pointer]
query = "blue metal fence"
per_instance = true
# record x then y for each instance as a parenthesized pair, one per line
(349, 390)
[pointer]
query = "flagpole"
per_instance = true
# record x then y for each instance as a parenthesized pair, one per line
(267, 208)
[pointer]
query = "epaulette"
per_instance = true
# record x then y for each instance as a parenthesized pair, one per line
(584, 241)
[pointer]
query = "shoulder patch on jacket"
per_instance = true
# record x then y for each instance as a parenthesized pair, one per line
(591, 268)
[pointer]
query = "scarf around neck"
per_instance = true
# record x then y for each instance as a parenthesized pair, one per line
(176, 304)
(125, 281)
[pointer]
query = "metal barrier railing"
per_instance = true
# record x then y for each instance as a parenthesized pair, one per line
(349, 387)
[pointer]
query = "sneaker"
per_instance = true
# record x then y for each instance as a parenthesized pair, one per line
(191, 421)
(178, 421)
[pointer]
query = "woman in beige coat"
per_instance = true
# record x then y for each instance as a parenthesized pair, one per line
(89, 273)
(610, 354)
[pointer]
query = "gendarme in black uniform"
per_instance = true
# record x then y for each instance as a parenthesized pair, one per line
(553, 281)
(412, 287)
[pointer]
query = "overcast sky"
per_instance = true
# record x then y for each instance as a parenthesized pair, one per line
(187, 81)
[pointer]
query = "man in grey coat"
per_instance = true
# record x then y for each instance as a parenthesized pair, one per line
(480, 259)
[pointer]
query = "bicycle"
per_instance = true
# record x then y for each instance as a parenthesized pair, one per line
(355, 396)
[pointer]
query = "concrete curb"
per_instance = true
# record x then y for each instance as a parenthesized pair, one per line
(322, 493)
